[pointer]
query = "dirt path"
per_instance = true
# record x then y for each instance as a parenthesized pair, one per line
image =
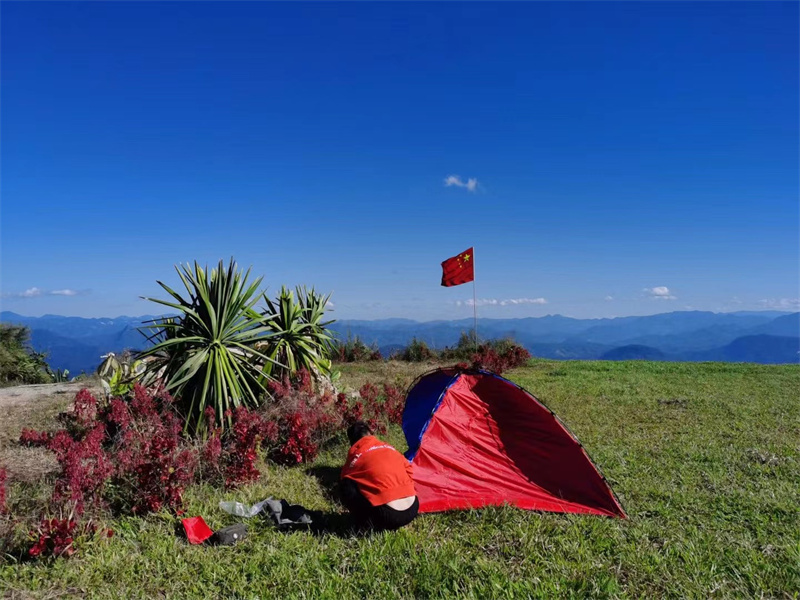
(35, 407)
(21, 395)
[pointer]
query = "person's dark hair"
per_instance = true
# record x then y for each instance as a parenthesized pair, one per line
(357, 430)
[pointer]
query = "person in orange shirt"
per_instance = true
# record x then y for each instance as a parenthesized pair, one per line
(376, 485)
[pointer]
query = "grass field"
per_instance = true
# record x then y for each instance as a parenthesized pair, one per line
(704, 458)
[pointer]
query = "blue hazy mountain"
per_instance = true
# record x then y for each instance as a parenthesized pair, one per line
(785, 325)
(76, 343)
(766, 349)
(766, 337)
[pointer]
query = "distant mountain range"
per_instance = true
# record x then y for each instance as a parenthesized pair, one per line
(768, 337)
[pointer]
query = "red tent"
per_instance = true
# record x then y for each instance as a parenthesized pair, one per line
(476, 439)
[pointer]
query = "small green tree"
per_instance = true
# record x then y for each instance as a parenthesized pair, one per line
(417, 351)
(354, 349)
(19, 363)
(464, 349)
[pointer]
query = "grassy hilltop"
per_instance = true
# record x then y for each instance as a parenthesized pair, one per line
(704, 458)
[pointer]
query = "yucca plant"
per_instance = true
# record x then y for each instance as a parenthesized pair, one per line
(60, 375)
(299, 338)
(119, 374)
(206, 355)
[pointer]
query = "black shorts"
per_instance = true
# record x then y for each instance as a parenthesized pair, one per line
(378, 517)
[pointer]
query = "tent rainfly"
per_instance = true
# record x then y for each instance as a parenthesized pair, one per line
(476, 439)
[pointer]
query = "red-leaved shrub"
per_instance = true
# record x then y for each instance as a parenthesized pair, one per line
(249, 430)
(349, 413)
(295, 435)
(163, 472)
(136, 445)
(3, 480)
(394, 401)
(54, 537)
(85, 467)
(85, 408)
(302, 382)
(57, 537)
(34, 439)
(154, 462)
(487, 357)
(211, 451)
(382, 406)
(303, 420)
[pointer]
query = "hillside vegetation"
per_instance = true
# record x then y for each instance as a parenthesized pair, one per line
(19, 364)
(704, 458)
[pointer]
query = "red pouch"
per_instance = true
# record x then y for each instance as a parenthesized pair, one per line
(197, 531)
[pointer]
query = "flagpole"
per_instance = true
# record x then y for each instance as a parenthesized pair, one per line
(474, 300)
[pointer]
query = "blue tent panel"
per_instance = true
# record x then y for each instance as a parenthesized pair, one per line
(421, 403)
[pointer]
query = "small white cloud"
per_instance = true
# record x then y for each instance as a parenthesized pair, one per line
(480, 302)
(781, 303)
(29, 293)
(523, 301)
(455, 180)
(35, 292)
(496, 302)
(660, 292)
(609, 298)
(330, 305)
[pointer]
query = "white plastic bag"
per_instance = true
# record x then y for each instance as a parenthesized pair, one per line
(243, 510)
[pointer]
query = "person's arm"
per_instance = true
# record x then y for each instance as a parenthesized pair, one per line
(410, 470)
(346, 465)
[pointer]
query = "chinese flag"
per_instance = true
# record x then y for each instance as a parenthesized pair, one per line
(458, 269)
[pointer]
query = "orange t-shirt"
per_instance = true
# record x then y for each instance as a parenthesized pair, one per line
(381, 473)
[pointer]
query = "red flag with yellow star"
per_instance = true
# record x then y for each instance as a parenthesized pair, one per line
(458, 269)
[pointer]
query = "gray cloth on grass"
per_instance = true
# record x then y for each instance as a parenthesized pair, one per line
(283, 514)
(279, 511)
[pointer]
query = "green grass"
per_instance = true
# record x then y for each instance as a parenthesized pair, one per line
(704, 458)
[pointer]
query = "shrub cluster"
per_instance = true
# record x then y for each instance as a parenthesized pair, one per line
(135, 445)
(494, 355)
(489, 357)
(33, 439)
(19, 364)
(305, 420)
(55, 537)
(131, 455)
(239, 452)
(382, 405)
(417, 351)
(58, 536)
(353, 350)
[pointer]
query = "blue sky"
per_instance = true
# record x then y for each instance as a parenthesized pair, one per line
(626, 158)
